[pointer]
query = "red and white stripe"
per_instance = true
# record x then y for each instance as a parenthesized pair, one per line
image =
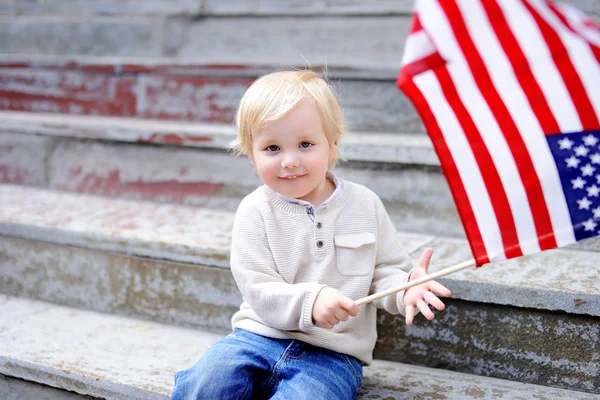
(488, 122)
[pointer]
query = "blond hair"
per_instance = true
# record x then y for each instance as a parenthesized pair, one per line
(274, 95)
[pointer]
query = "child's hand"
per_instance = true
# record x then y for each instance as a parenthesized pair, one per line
(421, 295)
(331, 307)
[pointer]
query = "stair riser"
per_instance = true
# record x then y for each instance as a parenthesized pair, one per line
(521, 344)
(321, 39)
(181, 294)
(177, 93)
(23, 159)
(75, 381)
(500, 341)
(11, 388)
(210, 7)
(230, 7)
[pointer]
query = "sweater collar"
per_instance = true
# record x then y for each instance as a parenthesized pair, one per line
(300, 206)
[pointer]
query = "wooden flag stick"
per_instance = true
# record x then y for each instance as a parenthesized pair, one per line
(426, 278)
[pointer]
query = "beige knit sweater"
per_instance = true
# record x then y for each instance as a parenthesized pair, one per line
(282, 255)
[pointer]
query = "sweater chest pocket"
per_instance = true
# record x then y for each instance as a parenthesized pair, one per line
(354, 253)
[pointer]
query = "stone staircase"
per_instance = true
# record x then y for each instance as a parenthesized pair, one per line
(118, 197)
(159, 266)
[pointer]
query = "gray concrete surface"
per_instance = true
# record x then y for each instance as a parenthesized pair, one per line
(399, 148)
(95, 36)
(524, 344)
(207, 7)
(99, 346)
(18, 389)
(227, 7)
(23, 159)
(173, 293)
(364, 41)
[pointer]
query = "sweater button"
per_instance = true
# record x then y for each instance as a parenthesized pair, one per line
(320, 244)
(319, 225)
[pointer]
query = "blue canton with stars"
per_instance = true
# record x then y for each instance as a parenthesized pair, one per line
(577, 156)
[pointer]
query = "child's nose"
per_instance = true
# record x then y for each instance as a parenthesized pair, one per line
(290, 161)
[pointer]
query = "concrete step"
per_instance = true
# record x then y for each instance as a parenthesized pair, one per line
(532, 319)
(187, 163)
(208, 8)
(19, 389)
(204, 90)
(216, 8)
(396, 148)
(374, 40)
(182, 59)
(114, 357)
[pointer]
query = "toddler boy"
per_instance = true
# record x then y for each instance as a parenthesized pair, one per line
(304, 245)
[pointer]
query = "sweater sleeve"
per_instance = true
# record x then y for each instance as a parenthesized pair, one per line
(281, 305)
(392, 263)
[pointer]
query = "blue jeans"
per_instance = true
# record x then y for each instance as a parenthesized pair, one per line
(245, 365)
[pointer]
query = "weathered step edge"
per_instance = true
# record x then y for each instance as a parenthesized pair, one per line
(241, 67)
(84, 352)
(561, 279)
(210, 8)
(408, 148)
(72, 381)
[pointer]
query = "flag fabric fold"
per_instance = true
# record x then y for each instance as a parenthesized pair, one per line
(509, 92)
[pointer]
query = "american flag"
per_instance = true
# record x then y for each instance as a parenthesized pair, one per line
(509, 91)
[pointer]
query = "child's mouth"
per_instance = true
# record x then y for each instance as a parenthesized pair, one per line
(291, 176)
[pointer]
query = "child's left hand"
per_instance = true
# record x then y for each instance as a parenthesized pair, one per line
(422, 295)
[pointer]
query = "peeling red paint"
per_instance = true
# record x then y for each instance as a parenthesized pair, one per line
(168, 138)
(75, 171)
(99, 68)
(136, 92)
(173, 138)
(198, 139)
(171, 190)
(67, 92)
(229, 67)
(82, 65)
(10, 64)
(137, 68)
(194, 98)
(12, 175)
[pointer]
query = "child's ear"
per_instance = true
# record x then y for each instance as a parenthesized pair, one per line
(333, 150)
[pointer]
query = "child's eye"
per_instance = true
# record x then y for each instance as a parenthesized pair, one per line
(273, 148)
(305, 145)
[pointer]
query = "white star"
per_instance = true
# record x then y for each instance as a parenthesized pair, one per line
(578, 183)
(595, 158)
(565, 144)
(590, 225)
(593, 191)
(596, 212)
(572, 162)
(590, 140)
(588, 170)
(584, 204)
(581, 151)
(598, 178)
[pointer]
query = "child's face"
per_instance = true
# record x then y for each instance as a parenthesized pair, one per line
(292, 154)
